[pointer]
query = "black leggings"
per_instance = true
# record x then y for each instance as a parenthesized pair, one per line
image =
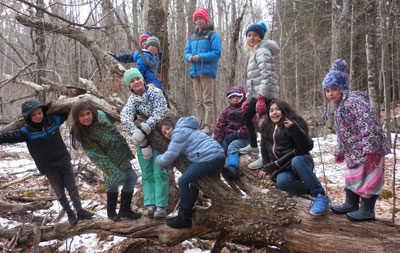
(248, 116)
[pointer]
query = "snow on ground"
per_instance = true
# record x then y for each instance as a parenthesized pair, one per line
(15, 162)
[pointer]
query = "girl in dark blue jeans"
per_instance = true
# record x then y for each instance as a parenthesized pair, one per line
(285, 147)
(206, 155)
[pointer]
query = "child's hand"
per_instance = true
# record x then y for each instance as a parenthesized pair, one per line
(339, 159)
(262, 174)
(137, 137)
(61, 98)
(245, 104)
(110, 53)
(190, 58)
(195, 58)
(287, 122)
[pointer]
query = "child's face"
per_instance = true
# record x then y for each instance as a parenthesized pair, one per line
(275, 114)
(200, 22)
(152, 49)
(166, 130)
(333, 94)
(143, 43)
(37, 115)
(253, 38)
(235, 99)
(137, 85)
(86, 117)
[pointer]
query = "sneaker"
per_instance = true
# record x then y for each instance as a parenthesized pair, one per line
(160, 213)
(249, 149)
(319, 205)
(256, 165)
(84, 214)
(150, 211)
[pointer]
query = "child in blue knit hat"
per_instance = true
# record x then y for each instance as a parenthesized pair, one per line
(261, 82)
(361, 142)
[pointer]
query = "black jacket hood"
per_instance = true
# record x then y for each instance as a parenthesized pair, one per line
(29, 106)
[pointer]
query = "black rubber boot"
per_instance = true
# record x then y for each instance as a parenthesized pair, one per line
(183, 220)
(350, 205)
(112, 198)
(125, 210)
(84, 214)
(366, 212)
(72, 217)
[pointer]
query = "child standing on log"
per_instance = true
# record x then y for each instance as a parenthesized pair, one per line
(150, 102)
(107, 148)
(231, 132)
(285, 147)
(261, 82)
(47, 148)
(205, 154)
(360, 141)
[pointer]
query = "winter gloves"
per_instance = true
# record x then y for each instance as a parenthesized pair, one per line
(339, 159)
(139, 138)
(261, 106)
(245, 104)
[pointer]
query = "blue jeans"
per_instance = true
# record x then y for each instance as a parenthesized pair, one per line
(187, 191)
(128, 186)
(233, 148)
(301, 179)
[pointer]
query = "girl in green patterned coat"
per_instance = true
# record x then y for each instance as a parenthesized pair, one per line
(109, 151)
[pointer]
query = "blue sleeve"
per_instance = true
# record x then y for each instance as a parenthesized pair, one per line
(215, 52)
(141, 65)
(188, 50)
(125, 58)
(175, 149)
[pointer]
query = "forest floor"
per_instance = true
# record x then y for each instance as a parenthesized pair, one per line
(16, 163)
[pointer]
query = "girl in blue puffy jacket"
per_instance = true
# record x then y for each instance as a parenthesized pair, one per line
(206, 155)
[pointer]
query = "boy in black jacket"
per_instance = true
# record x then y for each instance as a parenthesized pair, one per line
(47, 148)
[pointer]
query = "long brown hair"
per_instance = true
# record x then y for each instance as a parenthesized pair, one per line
(79, 132)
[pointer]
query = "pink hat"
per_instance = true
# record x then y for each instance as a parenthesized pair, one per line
(144, 36)
(202, 13)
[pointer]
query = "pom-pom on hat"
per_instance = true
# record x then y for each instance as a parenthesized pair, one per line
(144, 36)
(130, 74)
(338, 79)
(201, 13)
(153, 41)
(260, 28)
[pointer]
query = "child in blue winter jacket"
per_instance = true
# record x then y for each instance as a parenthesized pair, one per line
(206, 155)
(203, 51)
(231, 132)
(47, 148)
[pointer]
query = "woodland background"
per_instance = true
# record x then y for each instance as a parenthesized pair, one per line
(52, 48)
(311, 34)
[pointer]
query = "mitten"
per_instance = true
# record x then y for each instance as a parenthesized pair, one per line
(145, 128)
(261, 107)
(137, 137)
(147, 151)
(245, 104)
(371, 157)
(339, 159)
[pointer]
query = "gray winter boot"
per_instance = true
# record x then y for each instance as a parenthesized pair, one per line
(350, 205)
(366, 212)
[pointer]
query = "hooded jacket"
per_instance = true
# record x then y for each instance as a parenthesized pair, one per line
(189, 141)
(231, 119)
(261, 76)
(147, 72)
(43, 139)
(207, 45)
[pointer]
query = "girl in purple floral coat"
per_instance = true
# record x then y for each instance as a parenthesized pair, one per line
(360, 141)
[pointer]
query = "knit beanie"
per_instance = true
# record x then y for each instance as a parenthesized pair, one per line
(130, 74)
(144, 36)
(153, 41)
(338, 79)
(260, 28)
(201, 13)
